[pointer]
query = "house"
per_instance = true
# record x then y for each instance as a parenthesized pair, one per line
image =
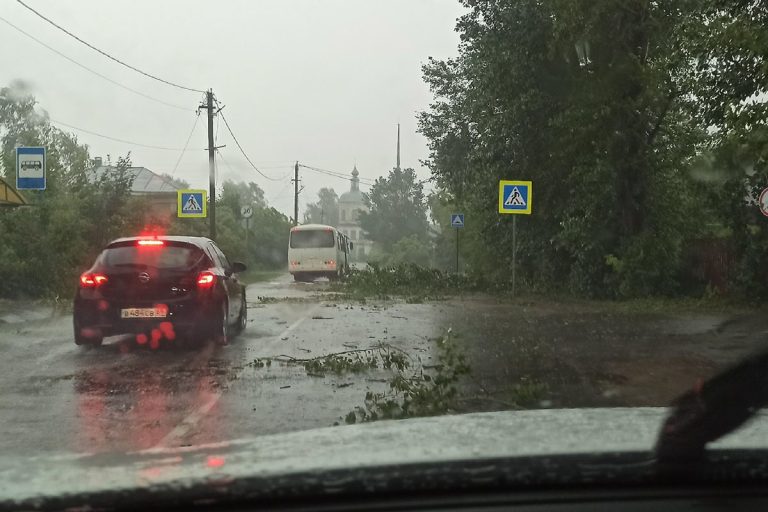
(159, 192)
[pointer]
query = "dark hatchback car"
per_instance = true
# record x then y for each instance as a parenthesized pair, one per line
(165, 287)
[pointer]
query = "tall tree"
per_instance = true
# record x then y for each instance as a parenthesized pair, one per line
(325, 210)
(397, 209)
(586, 99)
(234, 195)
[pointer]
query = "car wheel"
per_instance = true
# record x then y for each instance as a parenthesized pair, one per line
(83, 337)
(242, 319)
(221, 332)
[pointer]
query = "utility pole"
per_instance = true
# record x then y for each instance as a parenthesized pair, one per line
(211, 165)
(296, 194)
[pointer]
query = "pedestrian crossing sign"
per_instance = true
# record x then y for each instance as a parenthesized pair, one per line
(515, 197)
(192, 203)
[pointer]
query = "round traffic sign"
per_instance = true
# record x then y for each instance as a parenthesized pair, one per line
(763, 202)
(246, 212)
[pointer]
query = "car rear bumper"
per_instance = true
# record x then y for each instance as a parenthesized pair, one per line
(105, 316)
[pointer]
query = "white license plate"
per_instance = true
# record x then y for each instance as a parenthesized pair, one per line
(144, 313)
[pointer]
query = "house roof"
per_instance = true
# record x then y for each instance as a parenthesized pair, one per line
(144, 180)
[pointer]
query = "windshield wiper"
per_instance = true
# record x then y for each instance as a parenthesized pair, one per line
(713, 409)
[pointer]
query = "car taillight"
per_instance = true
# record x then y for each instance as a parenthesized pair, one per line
(205, 279)
(92, 280)
(330, 262)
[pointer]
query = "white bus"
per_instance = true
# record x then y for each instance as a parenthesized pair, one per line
(316, 250)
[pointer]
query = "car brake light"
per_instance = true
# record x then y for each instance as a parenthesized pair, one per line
(205, 279)
(151, 242)
(91, 280)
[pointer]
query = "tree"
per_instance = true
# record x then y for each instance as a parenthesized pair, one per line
(45, 246)
(397, 209)
(325, 210)
(234, 195)
(589, 99)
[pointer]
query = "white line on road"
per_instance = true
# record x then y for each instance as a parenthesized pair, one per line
(187, 424)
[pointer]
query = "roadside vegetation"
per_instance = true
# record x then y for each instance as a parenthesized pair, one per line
(45, 246)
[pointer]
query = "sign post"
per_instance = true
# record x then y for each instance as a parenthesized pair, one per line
(30, 168)
(515, 198)
(246, 212)
(457, 221)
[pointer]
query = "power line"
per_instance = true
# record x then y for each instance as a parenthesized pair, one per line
(280, 194)
(163, 148)
(335, 174)
(40, 15)
(243, 151)
(73, 61)
(194, 125)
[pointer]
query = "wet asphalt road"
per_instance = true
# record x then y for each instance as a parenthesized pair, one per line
(121, 397)
(57, 397)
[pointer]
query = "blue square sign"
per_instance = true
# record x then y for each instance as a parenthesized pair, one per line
(457, 220)
(191, 203)
(30, 168)
(515, 197)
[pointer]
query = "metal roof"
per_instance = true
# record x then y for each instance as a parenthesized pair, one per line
(144, 180)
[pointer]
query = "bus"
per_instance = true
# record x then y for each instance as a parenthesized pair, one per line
(316, 250)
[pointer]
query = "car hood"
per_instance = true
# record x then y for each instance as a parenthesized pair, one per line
(469, 437)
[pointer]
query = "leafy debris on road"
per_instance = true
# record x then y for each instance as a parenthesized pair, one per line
(348, 361)
(420, 394)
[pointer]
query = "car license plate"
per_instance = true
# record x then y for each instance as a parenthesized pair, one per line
(144, 312)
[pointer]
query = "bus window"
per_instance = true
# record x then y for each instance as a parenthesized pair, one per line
(312, 239)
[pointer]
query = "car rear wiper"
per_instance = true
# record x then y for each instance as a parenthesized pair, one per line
(712, 409)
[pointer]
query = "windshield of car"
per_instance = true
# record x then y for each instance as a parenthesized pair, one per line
(165, 256)
(312, 239)
(540, 213)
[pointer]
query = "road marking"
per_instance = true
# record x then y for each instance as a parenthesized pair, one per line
(187, 424)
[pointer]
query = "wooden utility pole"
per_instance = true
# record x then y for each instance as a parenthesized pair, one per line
(296, 194)
(211, 166)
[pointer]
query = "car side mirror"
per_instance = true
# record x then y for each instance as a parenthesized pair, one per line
(238, 267)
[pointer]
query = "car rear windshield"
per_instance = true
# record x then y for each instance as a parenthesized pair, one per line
(310, 239)
(165, 256)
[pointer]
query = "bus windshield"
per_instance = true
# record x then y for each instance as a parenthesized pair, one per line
(310, 239)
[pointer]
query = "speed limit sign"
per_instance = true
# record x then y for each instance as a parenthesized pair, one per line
(246, 212)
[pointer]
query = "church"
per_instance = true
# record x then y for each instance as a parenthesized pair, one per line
(350, 205)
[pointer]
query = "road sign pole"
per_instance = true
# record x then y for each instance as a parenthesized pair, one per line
(247, 222)
(457, 251)
(514, 252)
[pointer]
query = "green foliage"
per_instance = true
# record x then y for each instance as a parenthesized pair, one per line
(325, 210)
(406, 279)
(427, 392)
(410, 249)
(397, 209)
(46, 245)
(609, 107)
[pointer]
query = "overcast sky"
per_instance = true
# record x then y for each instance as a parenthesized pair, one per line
(321, 82)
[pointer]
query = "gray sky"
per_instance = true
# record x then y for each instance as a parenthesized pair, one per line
(322, 82)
